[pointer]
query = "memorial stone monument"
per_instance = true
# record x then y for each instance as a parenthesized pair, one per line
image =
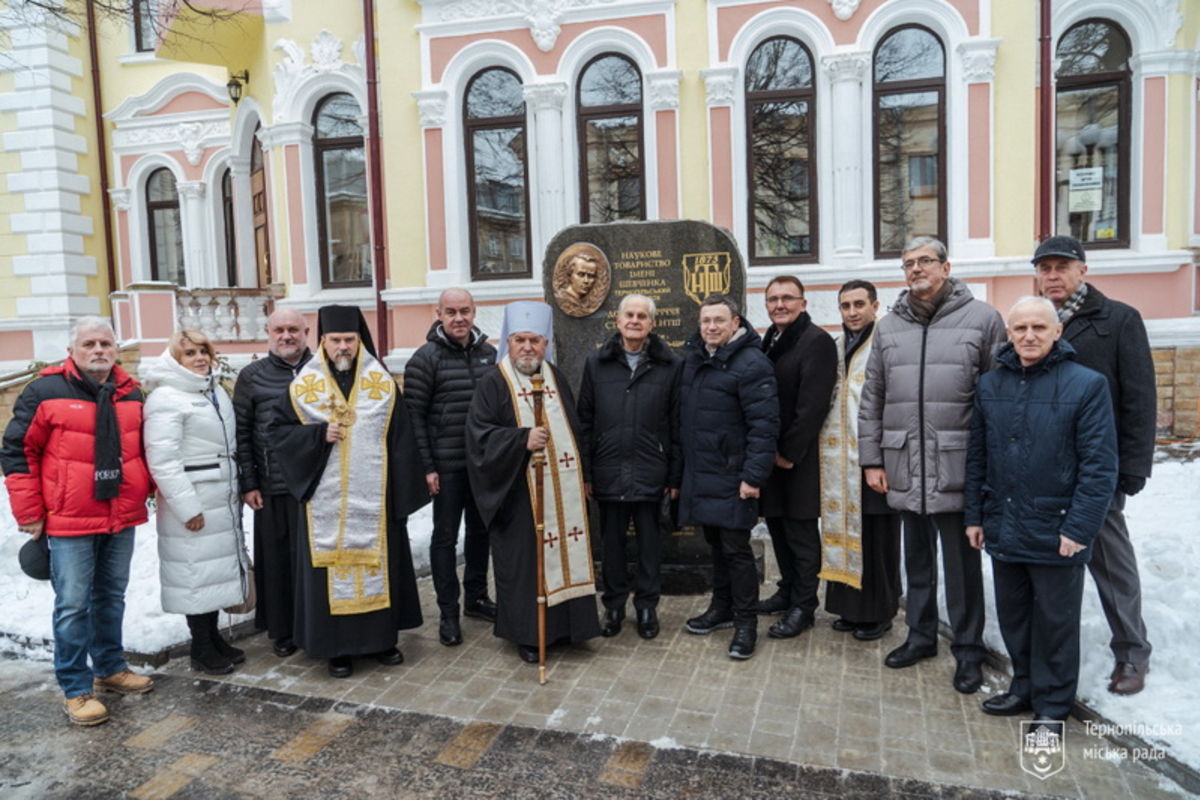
(589, 268)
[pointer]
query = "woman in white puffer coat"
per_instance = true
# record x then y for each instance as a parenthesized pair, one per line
(191, 449)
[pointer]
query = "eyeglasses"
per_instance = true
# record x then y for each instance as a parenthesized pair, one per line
(924, 262)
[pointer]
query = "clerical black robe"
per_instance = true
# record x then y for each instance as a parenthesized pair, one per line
(303, 453)
(496, 464)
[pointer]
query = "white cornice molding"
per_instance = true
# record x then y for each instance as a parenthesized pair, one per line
(719, 85)
(1166, 62)
(978, 58)
(121, 198)
(166, 90)
(545, 96)
(284, 133)
(662, 90)
(543, 18)
(1178, 332)
(847, 66)
(296, 69)
(431, 106)
(180, 132)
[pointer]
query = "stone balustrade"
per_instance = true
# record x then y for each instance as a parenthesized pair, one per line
(225, 315)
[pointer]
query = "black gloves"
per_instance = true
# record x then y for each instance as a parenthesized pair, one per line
(1131, 484)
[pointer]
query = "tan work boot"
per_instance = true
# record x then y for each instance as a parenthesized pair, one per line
(85, 710)
(124, 682)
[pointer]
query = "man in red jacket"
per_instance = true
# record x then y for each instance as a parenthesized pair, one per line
(75, 472)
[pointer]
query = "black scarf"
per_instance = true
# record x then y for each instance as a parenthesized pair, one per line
(107, 459)
(924, 310)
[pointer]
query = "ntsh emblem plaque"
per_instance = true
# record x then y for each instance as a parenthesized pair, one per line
(705, 273)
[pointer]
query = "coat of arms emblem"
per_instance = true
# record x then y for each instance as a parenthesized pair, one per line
(1042, 751)
(705, 273)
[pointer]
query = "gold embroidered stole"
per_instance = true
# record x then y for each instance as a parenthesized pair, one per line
(347, 514)
(841, 477)
(566, 543)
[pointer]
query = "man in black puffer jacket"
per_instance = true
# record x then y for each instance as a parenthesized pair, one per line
(629, 436)
(729, 413)
(439, 381)
(259, 386)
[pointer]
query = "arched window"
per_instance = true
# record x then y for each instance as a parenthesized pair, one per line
(497, 175)
(612, 183)
(231, 276)
(910, 135)
(779, 130)
(1092, 112)
(343, 221)
(165, 228)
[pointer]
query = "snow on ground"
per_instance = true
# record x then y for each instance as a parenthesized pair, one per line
(1164, 521)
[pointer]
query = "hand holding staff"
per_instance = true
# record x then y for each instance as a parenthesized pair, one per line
(539, 463)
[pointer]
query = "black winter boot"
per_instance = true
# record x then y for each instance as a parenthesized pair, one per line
(744, 637)
(205, 656)
(236, 655)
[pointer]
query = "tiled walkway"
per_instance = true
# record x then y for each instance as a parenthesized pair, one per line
(821, 700)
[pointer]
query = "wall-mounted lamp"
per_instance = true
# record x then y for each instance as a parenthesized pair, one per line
(236, 81)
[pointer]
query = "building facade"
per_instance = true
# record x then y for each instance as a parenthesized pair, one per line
(821, 133)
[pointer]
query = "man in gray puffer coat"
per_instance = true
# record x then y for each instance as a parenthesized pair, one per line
(914, 425)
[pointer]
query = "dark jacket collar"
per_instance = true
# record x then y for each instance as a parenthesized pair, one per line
(695, 344)
(1007, 357)
(1095, 304)
(960, 295)
(656, 349)
(68, 369)
(437, 333)
(776, 344)
(283, 363)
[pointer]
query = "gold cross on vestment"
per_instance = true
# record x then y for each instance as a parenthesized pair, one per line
(376, 384)
(309, 389)
(338, 411)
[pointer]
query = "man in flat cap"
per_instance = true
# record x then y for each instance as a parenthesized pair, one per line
(352, 460)
(502, 436)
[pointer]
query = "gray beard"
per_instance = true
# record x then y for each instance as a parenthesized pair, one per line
(527, 366)
(342, 364)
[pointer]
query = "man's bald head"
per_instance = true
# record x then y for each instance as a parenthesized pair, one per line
(456, 312)
(287, 334)
(1033, 328)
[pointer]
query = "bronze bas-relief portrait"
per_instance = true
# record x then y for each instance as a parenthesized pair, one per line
(582, 279)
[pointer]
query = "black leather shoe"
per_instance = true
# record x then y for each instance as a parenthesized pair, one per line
(711, 620)
(341, 667)
(907, 654)
(283, 647)
(612, 621)
(528, 654)
(869, 633)
(390, 657)
(742, 645)
(795, 623)
(775, 604)
(1005, 705)
(449, 632)
(968, 676)
(483, 608)
(842, 625)
(647, 623)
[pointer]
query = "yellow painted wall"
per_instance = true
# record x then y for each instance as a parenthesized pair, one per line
(1014, 199)
(691, 55)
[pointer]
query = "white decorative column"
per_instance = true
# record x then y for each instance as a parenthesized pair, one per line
(719, 87)
(545, 100)
(243, 221)
(198, 269)
(294, 241)
(41, 116)
(846, 72)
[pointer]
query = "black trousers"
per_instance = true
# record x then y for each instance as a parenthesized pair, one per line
(879, 598)
(614, 522)
(797, 545)
(1115, 571)
(963, 570)
(735, 579)
(276, 527)
(1038, 607)
(452, 502)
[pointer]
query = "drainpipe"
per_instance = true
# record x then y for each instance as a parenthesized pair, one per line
(379, 257)
(1046, 128)
(101, 148)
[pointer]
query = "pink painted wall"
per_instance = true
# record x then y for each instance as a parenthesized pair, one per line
(668, 175)
(410, 324)
(295, 210)
(156, 313)
(730, 19)
(651, 28)
(188, 102)
(1154, 120)
(190, 172)
(721, 159)
(435, 199)
(979, 168)
(123, 311)
(1196, 183)
(16, 345)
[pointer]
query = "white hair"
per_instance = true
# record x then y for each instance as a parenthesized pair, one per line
(90, 324)
(639, 298)
(1030, 300)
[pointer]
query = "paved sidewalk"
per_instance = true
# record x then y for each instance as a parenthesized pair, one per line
(823, 700)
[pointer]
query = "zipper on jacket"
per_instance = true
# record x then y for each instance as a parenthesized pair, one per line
(921, 414)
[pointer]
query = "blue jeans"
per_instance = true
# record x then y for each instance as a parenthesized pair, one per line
(89, 575)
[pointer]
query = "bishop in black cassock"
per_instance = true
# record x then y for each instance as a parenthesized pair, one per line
(498, 456)
(348, 453)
